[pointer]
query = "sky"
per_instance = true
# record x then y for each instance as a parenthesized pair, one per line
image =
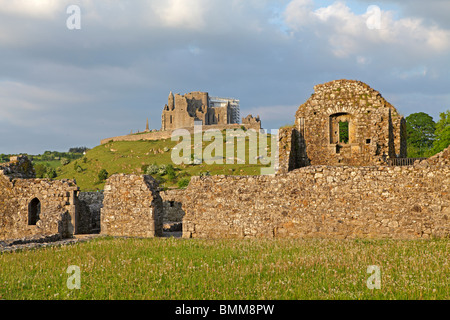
(70, 78)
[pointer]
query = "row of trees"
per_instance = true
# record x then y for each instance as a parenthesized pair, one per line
(426, 137)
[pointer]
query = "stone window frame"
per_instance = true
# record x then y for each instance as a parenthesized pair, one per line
(345, 117)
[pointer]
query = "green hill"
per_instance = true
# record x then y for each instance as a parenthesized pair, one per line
(135, 157)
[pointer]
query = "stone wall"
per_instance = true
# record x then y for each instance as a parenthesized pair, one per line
(30, 207)
(292, 150)
(132, 207)
(162, 135)
(18, 167)
(323, 201)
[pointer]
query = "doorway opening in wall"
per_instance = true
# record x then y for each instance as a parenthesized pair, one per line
(343, 132)
(34, 211)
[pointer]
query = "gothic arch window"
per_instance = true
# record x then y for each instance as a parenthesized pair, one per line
(34, 210)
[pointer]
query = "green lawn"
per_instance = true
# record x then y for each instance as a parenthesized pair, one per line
(171, 268)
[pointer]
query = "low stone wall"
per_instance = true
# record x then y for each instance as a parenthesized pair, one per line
(162, 135)
(323, 201)
(132, 207)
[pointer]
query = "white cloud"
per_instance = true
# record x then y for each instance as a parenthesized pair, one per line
(348, 33)
(181, 13)
(42, 9)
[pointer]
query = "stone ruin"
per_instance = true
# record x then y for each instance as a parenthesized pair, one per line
(30, 206)
(346, 122)
(333, 181)
(49, 210)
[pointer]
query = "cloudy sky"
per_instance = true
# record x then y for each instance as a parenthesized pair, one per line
(62, 87)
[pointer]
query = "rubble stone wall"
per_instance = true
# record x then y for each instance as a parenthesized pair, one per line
(324, 201)
(53, 203)
(132, 207)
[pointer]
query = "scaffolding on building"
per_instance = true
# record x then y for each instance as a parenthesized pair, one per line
(216, 102)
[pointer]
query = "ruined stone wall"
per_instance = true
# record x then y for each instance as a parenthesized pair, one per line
(254, 123)
(292, 149)
(376, 130)
(18, 167)
(132, 206)
(56, 201)
(323, 201)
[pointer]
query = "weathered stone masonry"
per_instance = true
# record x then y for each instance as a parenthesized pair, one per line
(324, 201)
(30, 207)
(132, 206)
(376, 131)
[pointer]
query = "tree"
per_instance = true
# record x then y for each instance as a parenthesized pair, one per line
(51, 173)
(442, 132)
(420, 129)
(343, 131)
(40, 170)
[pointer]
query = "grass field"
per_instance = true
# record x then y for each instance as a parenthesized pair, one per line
(129, 156)
(168, 268)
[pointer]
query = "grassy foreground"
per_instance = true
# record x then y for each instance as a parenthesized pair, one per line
(229, 269)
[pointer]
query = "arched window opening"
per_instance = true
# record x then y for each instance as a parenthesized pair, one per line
(34, 210)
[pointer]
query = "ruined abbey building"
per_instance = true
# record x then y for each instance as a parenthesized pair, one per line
(336, 178)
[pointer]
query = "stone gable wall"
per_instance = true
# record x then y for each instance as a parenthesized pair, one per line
(376, 129)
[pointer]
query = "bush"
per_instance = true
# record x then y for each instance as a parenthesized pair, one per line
(162, 169)
(102, 175)
(205, 174)
(65, 161)
(171, 172)
(183, 183)
(152, 169)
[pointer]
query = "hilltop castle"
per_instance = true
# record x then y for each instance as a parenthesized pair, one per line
(183, 110)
